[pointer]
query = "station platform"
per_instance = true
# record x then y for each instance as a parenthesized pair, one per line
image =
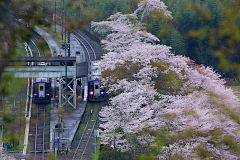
(60, 138)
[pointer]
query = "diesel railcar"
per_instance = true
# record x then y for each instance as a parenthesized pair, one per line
(96, 92)
(42, 90)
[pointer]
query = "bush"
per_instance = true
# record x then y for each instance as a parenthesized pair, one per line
(202, 152)
(228, 140)
(108, 153)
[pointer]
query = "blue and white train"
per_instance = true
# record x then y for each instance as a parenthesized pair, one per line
(96, 91)
(42, 90)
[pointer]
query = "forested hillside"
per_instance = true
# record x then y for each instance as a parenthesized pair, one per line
(162, 105)
(200, 29)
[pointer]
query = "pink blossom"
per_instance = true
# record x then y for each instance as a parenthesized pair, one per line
(139, 105)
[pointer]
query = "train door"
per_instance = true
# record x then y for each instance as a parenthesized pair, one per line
(96, 89)
(41, 90)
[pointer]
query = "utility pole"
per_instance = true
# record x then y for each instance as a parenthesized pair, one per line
(55, 16)
(63, 17)
(69, 51)
(68, 32)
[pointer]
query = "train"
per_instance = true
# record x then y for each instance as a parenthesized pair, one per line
(96, 90)
(42, 90)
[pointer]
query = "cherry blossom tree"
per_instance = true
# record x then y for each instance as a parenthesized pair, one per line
(152, 89)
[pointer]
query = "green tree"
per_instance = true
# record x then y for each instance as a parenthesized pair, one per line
(177, 42)
(17, 18)
(217, 34)
(12, 32)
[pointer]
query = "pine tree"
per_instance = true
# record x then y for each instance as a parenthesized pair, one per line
(177, 42)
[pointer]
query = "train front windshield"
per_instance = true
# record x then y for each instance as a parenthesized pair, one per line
(91, 86)
(96, 86)
(35, 87)
(41, 88)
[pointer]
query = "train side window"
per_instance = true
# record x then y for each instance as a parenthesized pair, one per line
(41, 88)
(96, 86)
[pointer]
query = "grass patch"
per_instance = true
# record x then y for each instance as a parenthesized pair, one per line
(169, 83)
(147, 156)
(82, 124)
(12, 112)
(234, 116)
(203, 153)
(165, 137)
(191, 112)
(20, 51)
(17, 148)
(218, 139)
(216, 136)
(169, 116)
(97, 151)
(47, 125)
(236, 90)
(228, 140)
(108, 153)
(162, 139)
(176, 157)
(51, 156)
(185, 134)
(216, 101)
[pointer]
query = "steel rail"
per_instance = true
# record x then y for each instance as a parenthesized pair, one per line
(88, 138)
(36, 133)
(36, 151)
(89, 58)
(39, 107)
(87, 43)
(44, 133)
(39, 54)
(81, 139)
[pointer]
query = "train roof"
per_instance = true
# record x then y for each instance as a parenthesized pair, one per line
(41, 80)
(96, 80)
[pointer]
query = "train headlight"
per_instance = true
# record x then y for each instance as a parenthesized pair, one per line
(102, 92)
(91, 92)
(47, 94)
(35, 94)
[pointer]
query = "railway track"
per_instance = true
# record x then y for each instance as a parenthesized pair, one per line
(33, 45)
(83, 144)
(84, 148)
(37, 146)
(37, 134)
(93, 52)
